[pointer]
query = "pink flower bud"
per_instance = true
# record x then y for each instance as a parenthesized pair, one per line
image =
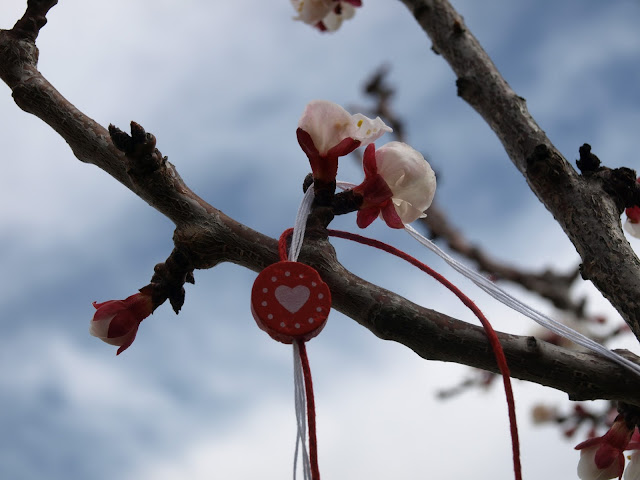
(399, 185)
(327, 131)
(116, 321)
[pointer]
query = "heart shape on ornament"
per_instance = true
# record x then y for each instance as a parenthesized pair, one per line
(292, 299)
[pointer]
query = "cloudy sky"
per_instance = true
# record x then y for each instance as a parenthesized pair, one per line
(206, 394)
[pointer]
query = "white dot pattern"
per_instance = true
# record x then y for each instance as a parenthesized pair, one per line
(282, 313)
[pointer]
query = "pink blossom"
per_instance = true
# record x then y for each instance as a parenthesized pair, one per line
(399, 185)
(327, 131)
(116, 321)
(602, 458)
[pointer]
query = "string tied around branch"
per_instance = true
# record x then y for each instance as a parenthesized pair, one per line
(291, 303)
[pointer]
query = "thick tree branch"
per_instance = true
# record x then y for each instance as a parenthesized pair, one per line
(587, 211)
(204, 237)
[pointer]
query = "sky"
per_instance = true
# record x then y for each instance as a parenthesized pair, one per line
(206, 394)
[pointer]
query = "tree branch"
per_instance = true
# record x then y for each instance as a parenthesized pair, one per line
(588, 211)
(204, 237)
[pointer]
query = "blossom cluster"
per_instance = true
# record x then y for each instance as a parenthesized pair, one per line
(325, 15)
(602, 458)
(399, 183)
(398, 186)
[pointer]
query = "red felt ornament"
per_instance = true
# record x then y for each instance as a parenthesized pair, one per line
(290, 301)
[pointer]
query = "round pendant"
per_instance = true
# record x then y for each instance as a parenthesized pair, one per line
(290, 301)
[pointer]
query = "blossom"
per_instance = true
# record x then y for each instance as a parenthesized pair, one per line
(327, 131)
(325, 15)
(602, 458)
(399, 185)
(116, 321)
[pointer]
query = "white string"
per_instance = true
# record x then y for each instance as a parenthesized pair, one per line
(301, 415)
(519, 306)
(300, 394)
(345, 185)
(300, 224)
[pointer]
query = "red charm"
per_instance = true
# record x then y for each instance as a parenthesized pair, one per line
(290, 301)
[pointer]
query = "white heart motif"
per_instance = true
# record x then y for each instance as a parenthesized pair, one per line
(292, 298)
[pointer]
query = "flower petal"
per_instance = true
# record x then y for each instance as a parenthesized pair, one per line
(587, 469)
(369, 161)
(391, 217)
(100, 328)
(632, 472)
(328, 124)
(127, 340)
(368, 130)
(366, 216)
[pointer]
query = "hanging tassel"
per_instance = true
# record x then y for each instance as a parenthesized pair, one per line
(291, 303)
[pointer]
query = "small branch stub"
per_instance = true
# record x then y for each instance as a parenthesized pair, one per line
(169, 279)
(140, 149)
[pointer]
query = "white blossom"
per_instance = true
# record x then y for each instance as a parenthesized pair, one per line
(328, 124)
(410, 178)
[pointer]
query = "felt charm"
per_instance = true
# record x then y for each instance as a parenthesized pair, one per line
(290, 301)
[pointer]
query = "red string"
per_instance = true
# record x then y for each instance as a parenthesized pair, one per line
(490, 332)
(282, 244)
(306, 373)
(311, 411)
